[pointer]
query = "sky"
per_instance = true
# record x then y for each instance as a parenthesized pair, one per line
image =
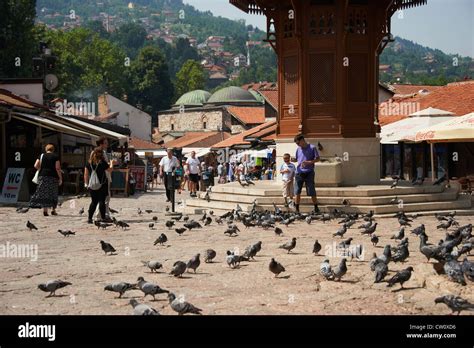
(447, 25)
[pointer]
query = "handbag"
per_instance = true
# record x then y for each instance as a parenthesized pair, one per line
(35, 178)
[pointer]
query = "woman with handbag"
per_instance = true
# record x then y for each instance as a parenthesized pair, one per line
(48, 178)
(95, 180)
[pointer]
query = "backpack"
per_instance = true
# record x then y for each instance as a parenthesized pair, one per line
(94, 182)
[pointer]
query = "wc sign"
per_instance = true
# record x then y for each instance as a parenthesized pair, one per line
(12, 185)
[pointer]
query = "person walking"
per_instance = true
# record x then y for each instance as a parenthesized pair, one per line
(168, 165)
(103, 144)
(306, 156)
(287, 171)
(96, 172)
(193, 172)
(49, 179)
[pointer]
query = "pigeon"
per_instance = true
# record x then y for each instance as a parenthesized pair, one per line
(81, 211)
(289, 246)
(395, 183)
(142, 309)
(182, 307)
(151, 226)
(23, 210)
(419, 230)
(167, 209)
(169, 223)
(467, 268)
(399, 235)
(345, 202)
(113, 211)
(152, 265)
(122, 224)
(232, 259)
(162, 239)
(107, 248)
(403, 222)
(180, 231)
(155, 218)
(386, 256)
(394, 200)
(52, 285)
(370, 230)
(308, 220)
(66, 233)
(208, 221)
(350, 223)
(194, 263)
(374, 239)
(219, 220)
(148, 211)
(445, 225)
(102, 225)
(381, 270)
(278, 231)
(238, 208)
(231, 230)
(210, 255)
(453, 270)
(340, 270)
(186, 218)
(179, 267)
(139, 211)
(275, 267)
(150, 288)
(252, 250)
(455, 303)
(121, 288)
(192, 224)
(345, 243)
(316, 247)
(325, 270)
(366, 225)
(401, 254)
(400, 277)
(31, 226)
(341, 231)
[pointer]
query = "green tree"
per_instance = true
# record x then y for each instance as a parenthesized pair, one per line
(131, 36)
(150, 85)
(87, 64)
(98, 28)
(190, 77)
(17, 37)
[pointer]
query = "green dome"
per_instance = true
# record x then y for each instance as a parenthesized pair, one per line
(232, 95)
(257, 96)
(193, 98)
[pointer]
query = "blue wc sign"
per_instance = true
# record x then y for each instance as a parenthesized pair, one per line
(12, 185)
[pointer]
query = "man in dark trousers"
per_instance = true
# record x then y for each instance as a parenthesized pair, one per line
(168, 165)
(306, 156)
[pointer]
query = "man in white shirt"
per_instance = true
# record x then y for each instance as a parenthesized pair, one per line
(168, 165)
(193, 172)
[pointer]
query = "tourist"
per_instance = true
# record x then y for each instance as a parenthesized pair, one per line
(103, 144)
(49, 179)
(99, 168)
(221, 173)
(193, 171)
(168, 165)
(287, 171)
(155, 176)
(306, 156)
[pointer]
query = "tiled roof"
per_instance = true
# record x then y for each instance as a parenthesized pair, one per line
(140, 144)
(107, 117)
(8, 98)
(264, 132)
(194, 139)
(238, 139)
(248, 115)
(412, 89)
(457, 98)
(271, 96)
(256, 86)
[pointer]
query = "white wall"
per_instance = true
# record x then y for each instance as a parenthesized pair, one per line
(31, 91)
(138, 121)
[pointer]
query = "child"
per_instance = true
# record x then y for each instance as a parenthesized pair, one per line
(288, 170)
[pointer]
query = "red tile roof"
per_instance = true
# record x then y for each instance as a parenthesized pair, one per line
(412, 89)
(8, 98)
(457, 98)
(256, 86)
(195, 139)
(238, 139)
(140, 144)
(248, 115)
(271, 96)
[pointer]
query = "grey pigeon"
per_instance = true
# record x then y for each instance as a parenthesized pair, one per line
(455, 303)
(400, 234)
(308, 220)
(340, 270)
(418, 230)
(400, 277)
(468, 269)
(366, 225)
(374, 239)
(155, 218)
(162, 239)
(453, 270)
(22, 210)
(341, 231)
(386, 257)
(252, 250)
(370, 230)
(52, 285)
(31, 226)
(232, 259)
(121, 287)
(107, 248)
(179, 267)
(231, 230)
(152, 265)
(289, 246)
(142, 309)
(374, 261)
(325, 270)
(210, 255)
(169, 223)
(278, 231)
(275, 267)
(151, 226)
(149, 288)
(182, 307)
(81, 211)
(66, 233)
(180, 231)
(401, 254)
(316, 247)
(345, 243)
(381, 270)
(194, 263)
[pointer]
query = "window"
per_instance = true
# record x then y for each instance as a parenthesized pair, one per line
(172, 126)
(204, 125)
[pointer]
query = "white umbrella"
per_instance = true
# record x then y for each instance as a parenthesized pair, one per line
(431, 112)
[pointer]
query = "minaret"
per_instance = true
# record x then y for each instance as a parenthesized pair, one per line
(248, 54)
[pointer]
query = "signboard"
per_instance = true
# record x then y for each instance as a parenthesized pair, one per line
(12, 185)
(139, 174)
(120, 181)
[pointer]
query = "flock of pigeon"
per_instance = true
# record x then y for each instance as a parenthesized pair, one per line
(458, 243)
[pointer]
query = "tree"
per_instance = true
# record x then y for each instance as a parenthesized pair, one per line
(190, 77)
(150, 85)
(98, 28)
(131, 36)
(17, 37)
(87, 64)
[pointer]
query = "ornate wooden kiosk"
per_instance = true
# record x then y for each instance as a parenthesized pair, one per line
(328, 58)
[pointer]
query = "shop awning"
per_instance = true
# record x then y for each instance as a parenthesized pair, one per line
(156, 153)
(457, 129)
(97, 130)
(52, 125)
